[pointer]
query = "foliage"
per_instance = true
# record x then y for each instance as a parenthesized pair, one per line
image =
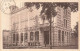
(30, 4)
(49, 7)
(72, 5)
(76, 30)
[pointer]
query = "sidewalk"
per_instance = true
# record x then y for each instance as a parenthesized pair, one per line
(57, 47)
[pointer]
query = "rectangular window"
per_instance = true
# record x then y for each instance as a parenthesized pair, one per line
(66, 12)
(62, 36)
(65, 34)
(67, 37)
(66, 23)
(31, 36)
(37, 35)
(59, 37)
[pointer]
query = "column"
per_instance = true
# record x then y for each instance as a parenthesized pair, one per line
(34, 36)
(19, 38)
(15, 39)
(61, 38)
(41, 38)
(52, 34)
(69, 38)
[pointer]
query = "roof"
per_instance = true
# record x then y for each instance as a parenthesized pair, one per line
(17, 10)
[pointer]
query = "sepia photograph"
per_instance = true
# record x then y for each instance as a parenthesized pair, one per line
(40, 25)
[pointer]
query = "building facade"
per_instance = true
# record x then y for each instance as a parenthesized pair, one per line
(28, 28)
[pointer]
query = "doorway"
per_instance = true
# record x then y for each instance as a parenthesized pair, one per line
(46, 37)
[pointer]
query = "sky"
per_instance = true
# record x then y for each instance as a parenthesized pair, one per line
(5, 18)
(74, 18)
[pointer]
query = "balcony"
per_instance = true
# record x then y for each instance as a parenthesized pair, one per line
(44, 25)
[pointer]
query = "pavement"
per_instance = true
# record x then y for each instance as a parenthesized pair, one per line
(55, 47)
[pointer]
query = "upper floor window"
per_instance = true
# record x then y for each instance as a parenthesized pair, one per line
(66, 23)
(65, 34)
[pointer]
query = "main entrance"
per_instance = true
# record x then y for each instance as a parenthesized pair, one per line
(46, 37)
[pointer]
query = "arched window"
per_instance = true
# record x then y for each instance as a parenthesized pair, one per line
(31, 36)
(17, 37)
(21, 37)
(13, 38)
(37, 35)
(25, 35)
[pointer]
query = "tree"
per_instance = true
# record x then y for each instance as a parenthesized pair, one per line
(49, 10)
(31, 4)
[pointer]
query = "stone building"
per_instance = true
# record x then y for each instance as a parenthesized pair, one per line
(28, 29)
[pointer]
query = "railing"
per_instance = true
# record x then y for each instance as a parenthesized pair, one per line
(33, 43)
(43, 25)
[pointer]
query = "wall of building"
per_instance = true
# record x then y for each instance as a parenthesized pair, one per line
(25, 21)
(62, 26)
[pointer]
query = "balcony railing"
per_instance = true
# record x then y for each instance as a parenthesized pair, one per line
(44, 25)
